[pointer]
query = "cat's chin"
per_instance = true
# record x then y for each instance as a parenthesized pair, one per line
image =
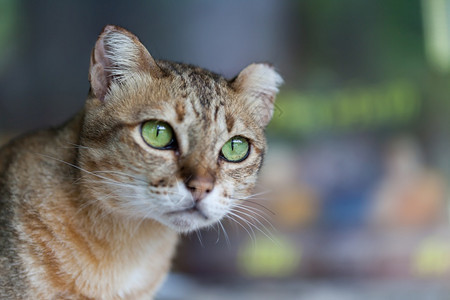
(188, 220)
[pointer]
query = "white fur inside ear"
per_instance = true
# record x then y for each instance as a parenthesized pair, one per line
(122, 53)
(118, 54)
(261, 77)
(258, 84)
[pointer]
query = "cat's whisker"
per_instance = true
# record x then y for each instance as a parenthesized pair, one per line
(192, 198)
(177, 183)
(257, 194)
(120, 174)
(111, 183)
(111, 195)
(168, 192)
(183, 194)
(91, 202)
(247, 222)
(265, 232)
(257, 212)
(81, 208)
(218, 233)
(199, 236)
(227, 239)
(133, 233)
(251, 235)
(76, 146)
(259, 204)
(252, 208)
(76, 167)
(253, 220)
(129, 182)
(253, 199)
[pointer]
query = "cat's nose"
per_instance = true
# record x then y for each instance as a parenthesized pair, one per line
(200, 186)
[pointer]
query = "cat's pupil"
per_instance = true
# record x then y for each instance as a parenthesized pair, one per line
(158, 128)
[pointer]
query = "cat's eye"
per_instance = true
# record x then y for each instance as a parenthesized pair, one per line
(236, 149)
(158, 134)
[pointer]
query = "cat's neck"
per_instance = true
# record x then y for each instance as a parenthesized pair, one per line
(122, 255)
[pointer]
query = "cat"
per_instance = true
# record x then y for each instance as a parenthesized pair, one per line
(93, 209)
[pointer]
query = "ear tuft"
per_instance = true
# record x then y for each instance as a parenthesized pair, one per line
(117, 54)
(258, 84)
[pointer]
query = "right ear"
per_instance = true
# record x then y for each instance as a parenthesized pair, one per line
(117, 54)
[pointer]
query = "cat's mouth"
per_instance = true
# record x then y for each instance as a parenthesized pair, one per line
(194, 209)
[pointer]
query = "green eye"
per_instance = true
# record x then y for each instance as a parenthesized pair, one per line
(236, 149)
(157, 134)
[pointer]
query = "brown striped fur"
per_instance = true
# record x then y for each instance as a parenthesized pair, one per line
(89, 211)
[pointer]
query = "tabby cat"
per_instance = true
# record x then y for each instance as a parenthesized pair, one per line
(92, 209)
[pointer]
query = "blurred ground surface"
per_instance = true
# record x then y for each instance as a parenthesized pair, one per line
(179, 287)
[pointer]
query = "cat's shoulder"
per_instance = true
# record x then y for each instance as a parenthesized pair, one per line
(27, 149)
(24, 147)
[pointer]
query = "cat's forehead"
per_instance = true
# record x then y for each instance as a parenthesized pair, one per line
(207, 97)
(187, 80)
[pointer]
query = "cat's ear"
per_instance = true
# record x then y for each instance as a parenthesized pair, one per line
(258, 84)
(117, 54)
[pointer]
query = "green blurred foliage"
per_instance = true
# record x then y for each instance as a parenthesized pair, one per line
(352, 41)
(9, 27)
(349, 109)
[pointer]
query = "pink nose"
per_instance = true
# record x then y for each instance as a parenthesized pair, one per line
(200, 186)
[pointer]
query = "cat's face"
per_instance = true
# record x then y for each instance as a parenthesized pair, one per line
(168, 141)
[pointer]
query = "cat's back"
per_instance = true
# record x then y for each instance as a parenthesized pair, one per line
(22, 164)
(13, 284)
(24, 170)
(37, 153)
(22, 148)
(12, 278)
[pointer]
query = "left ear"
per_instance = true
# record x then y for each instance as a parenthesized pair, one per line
(117, 54)
(258, 85)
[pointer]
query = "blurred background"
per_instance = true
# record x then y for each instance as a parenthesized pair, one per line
(353, 200)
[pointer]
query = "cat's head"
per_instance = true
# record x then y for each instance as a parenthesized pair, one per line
(168, 141)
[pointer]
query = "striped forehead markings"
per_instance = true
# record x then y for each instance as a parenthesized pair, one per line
(180, 110)
(229, 119)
